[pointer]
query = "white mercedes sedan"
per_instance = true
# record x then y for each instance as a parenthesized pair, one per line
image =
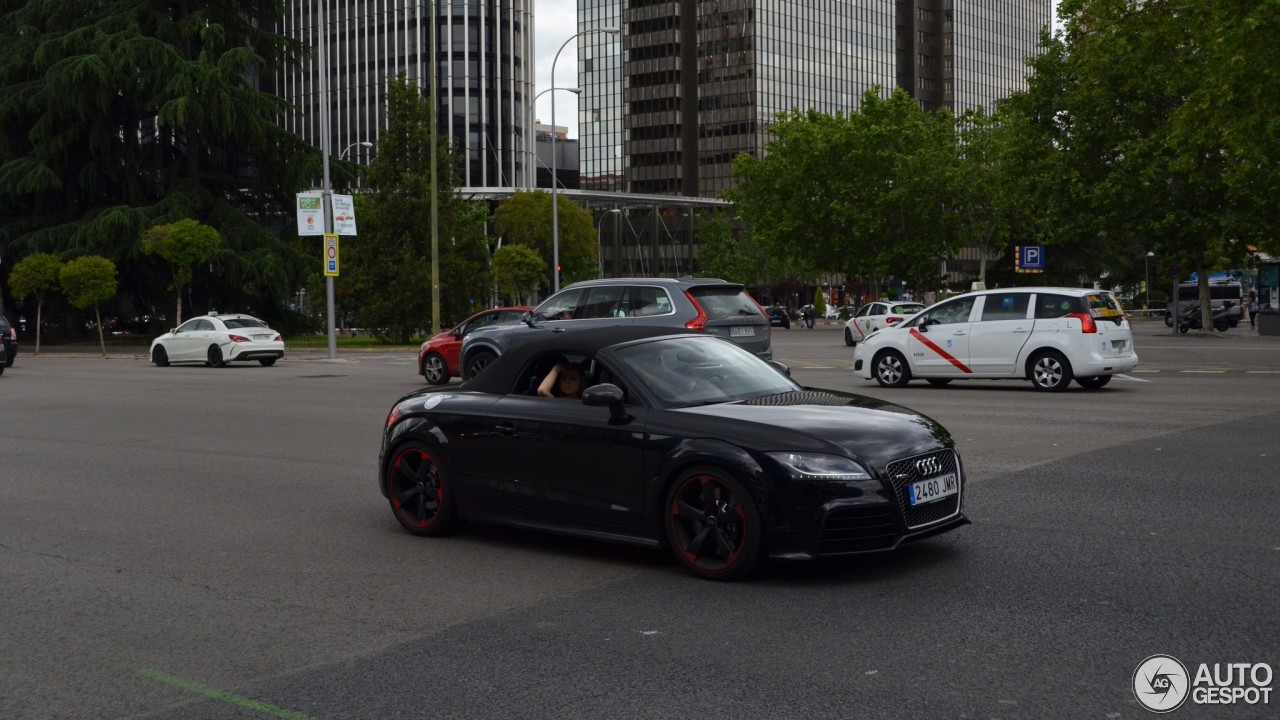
(216, 340)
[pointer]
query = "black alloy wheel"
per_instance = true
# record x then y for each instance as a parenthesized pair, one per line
(267, 362)
(1093, 383)
(215, 357)
(434, 370)
(713, 526)
(160, 357)
(478, 362)
(418, 493)
(1050, 372)
(891, 369)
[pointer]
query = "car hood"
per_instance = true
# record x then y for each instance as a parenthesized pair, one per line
(874, 431)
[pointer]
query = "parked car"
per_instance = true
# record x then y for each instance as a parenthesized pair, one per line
(216, 340)
(1223, 294)
(9, 335)
(1046, 335)
(707, 304)
(778, 317)
(438, 357)
(875, 315)
(681, 440)
(4, 362)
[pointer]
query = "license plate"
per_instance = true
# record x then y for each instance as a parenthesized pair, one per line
(934, 488)
(261, 337)
(1118, 344)
(742, 331)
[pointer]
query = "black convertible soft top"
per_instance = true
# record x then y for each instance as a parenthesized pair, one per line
(500, 374)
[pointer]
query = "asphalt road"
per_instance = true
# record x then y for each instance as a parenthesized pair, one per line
(197, 543)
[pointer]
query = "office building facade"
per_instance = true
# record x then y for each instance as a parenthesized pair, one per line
(484, 68)
(701, 80)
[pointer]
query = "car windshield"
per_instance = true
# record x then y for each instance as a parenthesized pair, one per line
(243, 322)
(702, 370)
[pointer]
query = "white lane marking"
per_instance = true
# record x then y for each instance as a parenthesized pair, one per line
(1145, 371)
(1204, 372)
(1262, 372)
(1127, 377)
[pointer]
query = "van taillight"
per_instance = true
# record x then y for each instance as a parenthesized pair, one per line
(1087, 325)
(699, 322)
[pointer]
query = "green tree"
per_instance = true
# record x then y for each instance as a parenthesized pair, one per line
(387, 269)
(525, 219)
(89, 281)
(518, 271)
(120, 116)
(871, 193)
(725, 254)
(35, 274)
(182, 245)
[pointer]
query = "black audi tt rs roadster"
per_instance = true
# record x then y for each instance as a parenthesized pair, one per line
(680, 439)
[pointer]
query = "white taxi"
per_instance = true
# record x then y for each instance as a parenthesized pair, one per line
(875, 315)
(1048, 335)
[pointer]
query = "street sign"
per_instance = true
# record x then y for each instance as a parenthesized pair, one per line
(1028, 259)
(331, 255)
(310, 213)
(1174, 271)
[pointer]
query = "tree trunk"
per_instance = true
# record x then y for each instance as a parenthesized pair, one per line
(39, 322)
(102, 342)
(178, 287)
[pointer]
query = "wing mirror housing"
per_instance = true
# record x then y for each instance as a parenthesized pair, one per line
(527, 318)
(781, 367)
(607, 395)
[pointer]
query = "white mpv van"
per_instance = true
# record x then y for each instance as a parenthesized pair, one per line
(1046, 335)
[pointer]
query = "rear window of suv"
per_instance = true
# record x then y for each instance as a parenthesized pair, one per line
(720, 302)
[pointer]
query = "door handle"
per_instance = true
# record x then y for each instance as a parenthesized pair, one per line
(505, 429)
(959, 333)
(1020, 330)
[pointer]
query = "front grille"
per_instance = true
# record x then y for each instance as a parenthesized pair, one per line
(908, 470)
(858, 529)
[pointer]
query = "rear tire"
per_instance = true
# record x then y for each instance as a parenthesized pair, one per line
(890, 369)
(267, 362)
(713, 526)
(160, 357)
(214, 358)
(1222, 325)
(1095, 382)
(1049, 372)
(939, 381)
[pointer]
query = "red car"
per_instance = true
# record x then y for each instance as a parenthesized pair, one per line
(438, 357)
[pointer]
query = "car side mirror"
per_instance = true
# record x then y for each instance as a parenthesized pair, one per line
(607, 395)
(173, 331)
(526, 317)
(780, 367)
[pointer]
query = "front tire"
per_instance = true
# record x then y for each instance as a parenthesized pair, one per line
(214, 357)
(1093, 383)
(848, 338)
(420, 497)
(160, 357)
(713, 526)
(477, 363)
(434, 371)
(1050, 372)
(891, 369)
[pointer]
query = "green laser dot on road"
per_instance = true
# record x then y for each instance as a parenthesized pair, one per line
(216, 694)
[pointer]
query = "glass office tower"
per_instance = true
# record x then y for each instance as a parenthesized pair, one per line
(484, 65)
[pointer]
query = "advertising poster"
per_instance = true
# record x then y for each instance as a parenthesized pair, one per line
(310, 213)
(344, 215)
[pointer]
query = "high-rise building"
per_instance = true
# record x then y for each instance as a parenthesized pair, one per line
(701, 80)
(484, 66)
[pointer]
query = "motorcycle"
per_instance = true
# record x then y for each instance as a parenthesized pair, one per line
(1190, 318)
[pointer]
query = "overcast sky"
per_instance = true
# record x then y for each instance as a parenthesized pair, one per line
(554, 22)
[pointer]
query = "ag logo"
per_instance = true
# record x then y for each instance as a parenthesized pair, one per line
(1161, 683)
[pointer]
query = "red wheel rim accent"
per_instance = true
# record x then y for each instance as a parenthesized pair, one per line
(708, 523)
(416, 488)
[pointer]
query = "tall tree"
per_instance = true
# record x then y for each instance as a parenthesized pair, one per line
(122, 115)
(88, 282)
(518, 270)
(388, 267)
(182, 245)
(35, 274)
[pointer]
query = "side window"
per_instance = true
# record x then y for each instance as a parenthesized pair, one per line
(1006, 306)
(560, 306)
(603, 302)
(643, 300)
(865, 310)
(1053, 305)
(955, 311)
(478, 323)
(204, 325)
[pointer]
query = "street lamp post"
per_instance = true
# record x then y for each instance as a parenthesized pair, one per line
(555, 208)
(1146, 266)
(363, 143)
(600, 238)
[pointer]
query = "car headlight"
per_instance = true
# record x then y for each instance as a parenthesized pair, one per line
(820, 466)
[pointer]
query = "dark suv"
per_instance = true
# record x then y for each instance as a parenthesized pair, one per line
(10, 337)
(713, 306)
